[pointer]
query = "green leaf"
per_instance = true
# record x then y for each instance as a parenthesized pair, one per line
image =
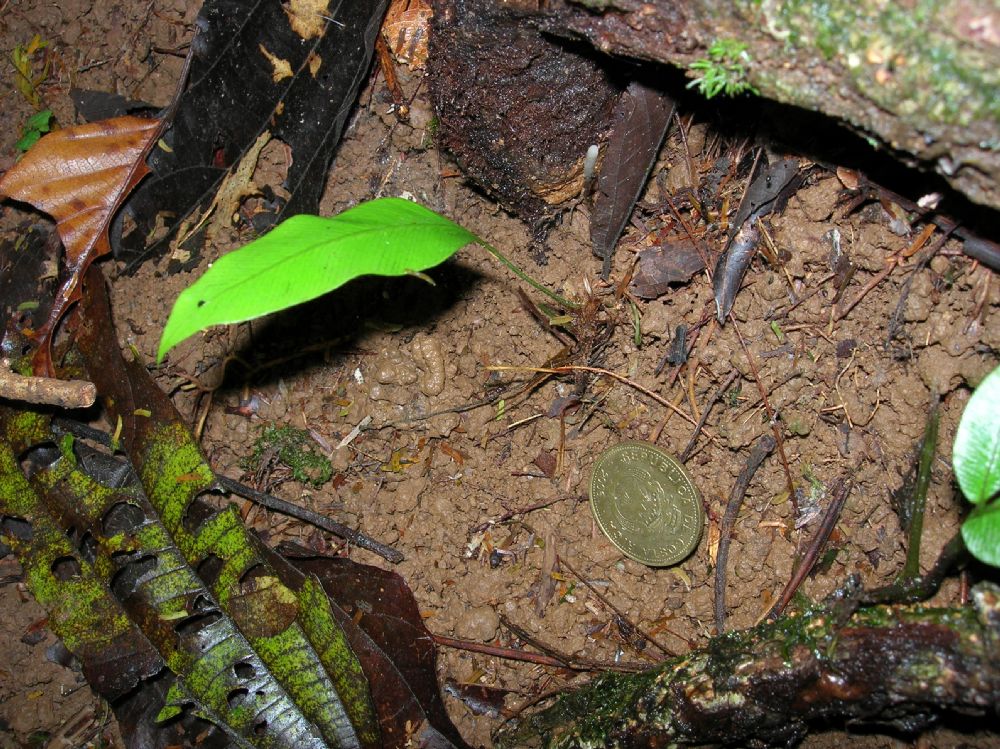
(35, 126)
(981, 533)
(305, 257)
(976, 455)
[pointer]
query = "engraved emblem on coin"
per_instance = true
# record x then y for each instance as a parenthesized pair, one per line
(639, 509)
(645, 503)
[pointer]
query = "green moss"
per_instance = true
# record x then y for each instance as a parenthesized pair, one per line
(293, 448)
(899, 57)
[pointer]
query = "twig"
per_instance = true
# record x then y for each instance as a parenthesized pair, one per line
(606, 602)
(973, 245)
(527, 637)
(892, 262)
(565, 303)
(704, 415)
(631, 383)
(308, 516)
(770, 415)
(913, 589)
(830, 517)
(896, 319)
(918, 501)
(761, 449)
(46, 390)
(516, 654)
(500, 652)
(510, 514)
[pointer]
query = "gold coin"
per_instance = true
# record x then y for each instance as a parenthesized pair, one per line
(645, 503)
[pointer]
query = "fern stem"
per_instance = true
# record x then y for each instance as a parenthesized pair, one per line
(565, 303)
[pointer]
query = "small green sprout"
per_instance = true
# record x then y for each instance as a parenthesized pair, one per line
(724, 70)
(34, 128)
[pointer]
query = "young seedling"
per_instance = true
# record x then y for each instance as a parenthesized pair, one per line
(976, 461)
(305, 257)
(34, 128)
(25, 79)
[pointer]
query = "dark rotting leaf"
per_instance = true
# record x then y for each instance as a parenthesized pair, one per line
(125, 581)
(122, 517)
(234, 98)
(641, 119)
(762, 197)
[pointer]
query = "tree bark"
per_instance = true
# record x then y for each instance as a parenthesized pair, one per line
(919, 77)
(898, 667)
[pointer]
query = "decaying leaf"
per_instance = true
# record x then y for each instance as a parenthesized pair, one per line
(405, 30)
(762, 197)
(659, 267)
(79, 176)
(642, 117)
(234, 96)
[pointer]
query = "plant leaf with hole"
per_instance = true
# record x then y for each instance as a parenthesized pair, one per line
(976, 460)
(296, 631)
(307, 256)
(79, 176)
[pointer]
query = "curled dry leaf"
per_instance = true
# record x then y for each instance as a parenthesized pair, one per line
(659, 267)
(79, 176)
(405, 31)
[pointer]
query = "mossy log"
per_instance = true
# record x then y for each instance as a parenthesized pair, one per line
(919, 77)
(897, 667)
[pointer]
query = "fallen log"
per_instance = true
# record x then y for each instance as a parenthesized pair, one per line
(899, 667)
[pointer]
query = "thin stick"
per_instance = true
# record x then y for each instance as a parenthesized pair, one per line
(614, 608)
(770, 415)
(704, 414)
(761, 449)
(516, 654)
(308, 516)
(830, 517)
(511, 514)
(918, 501)
(47, 391)
(622, 378)
(892, 262)
(526, 636)
(565, 303)
(914, 589)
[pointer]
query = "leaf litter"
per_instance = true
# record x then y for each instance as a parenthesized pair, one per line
(428, 509)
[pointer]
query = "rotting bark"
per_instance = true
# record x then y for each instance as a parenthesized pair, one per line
(517, 110)
(918, 77)
(896, 667)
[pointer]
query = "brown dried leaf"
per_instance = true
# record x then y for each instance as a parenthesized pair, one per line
(405, 31)
(79, 176)
(670, 263)
(641, 120)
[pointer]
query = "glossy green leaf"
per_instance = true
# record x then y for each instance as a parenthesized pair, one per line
(976, 454)
(307, 256)
(981, 533)
(976, 461)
